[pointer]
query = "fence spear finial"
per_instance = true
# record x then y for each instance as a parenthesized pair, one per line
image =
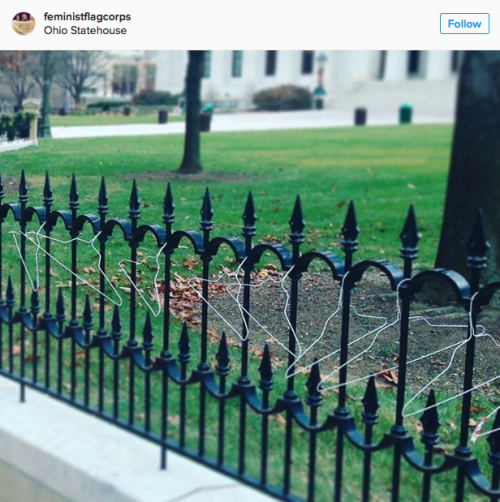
(350, 229)
(430, 421)
(207, 212)
(10, 292)
(60, 307)
(184, 345)
(266, 370)
(35, 301)
(134, 202)
(48, 199)
(103, 197)
(249, 216)
(409, 236)
(87, 314)
(116, 324)
(147, 333)
(370, 402)
(222, 356)
(313, 384)
(23, 189)
(478, 244)
(297, 223)
(168, 206)
(73, 194)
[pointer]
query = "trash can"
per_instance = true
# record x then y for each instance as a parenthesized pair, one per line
(205, 120)
(360, 116)
(62, 111)
(405, 113)
(126, 111)
(319, 104)
(162, 116)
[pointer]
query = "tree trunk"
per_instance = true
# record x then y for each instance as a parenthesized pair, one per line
(191, 162)
(474, 176)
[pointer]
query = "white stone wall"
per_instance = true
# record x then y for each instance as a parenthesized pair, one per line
(344, 71)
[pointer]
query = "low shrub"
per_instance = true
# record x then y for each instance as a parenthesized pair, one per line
(159, 98)
(283, 98)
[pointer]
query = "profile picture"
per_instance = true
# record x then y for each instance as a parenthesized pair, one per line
(23, 23)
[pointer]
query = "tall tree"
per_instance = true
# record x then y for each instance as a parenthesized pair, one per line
(474, 176)
(15, 69)
(79, 70)
(44, 69)
(191, 162)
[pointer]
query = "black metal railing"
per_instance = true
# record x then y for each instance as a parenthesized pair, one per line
(135, 355)
(14, 127)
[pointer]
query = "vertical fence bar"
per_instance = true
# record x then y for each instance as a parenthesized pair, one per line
(409, 252)
(206, 227)
(35, 308)
(87, 325)
(249, 231)
(23, 200)
(370, 419)
(313, 400)
(429, 437)
(266, 385)
(102, 333)
(10, 306)
(296, 238)
(184, 358)
(476, 261)
(494, 455)
(147, 345)
(223, 371)
(116, 336)
(60, 318)
(134, 214)
(168, 220)
(350, 232)
(73, 206)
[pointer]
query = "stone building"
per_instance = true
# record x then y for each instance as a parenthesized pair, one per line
(378, 79)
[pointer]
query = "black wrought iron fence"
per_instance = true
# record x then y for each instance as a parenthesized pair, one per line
(33, 325)
(14, 127)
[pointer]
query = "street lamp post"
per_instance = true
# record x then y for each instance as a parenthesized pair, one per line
(319, 91)
(44, 129)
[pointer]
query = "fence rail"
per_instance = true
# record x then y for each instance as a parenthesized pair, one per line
(26, 320)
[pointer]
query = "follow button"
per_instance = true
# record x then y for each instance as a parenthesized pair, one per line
(465, 24)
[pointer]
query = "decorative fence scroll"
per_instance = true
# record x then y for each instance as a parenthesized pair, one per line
(42, 328)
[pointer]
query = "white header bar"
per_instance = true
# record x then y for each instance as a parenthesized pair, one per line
(260, 24)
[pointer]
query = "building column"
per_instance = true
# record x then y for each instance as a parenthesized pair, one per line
(438, 65)
(288, 69)
(396, 65)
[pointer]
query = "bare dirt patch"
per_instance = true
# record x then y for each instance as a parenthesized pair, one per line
(204, 177)
(432, 329)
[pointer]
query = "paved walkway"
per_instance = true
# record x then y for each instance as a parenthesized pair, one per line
(247, 122)
(50, 452)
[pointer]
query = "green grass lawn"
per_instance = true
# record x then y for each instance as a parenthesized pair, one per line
(383, 169)
(109, 119)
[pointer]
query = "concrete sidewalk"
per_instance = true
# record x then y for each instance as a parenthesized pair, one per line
(239, 122)
(50, 452)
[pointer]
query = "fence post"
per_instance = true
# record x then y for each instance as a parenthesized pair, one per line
(350, 232)
(476, 261)
(296, 238)
(168, 220)
(249, 231)
(409, 252)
